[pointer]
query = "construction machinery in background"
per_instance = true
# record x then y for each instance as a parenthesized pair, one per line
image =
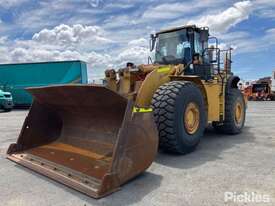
(95, 138)
(260, 90)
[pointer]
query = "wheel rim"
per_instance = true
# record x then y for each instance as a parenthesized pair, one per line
(191, 118)
(238, 113)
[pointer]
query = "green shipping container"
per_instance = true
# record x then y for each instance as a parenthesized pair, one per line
(15, 78)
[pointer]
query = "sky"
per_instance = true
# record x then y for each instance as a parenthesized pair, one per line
(108, 33)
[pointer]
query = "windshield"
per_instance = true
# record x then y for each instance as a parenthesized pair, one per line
(173, 47)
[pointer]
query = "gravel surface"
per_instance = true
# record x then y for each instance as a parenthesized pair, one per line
(244, 164)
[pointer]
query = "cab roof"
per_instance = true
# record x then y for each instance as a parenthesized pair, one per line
(194, 27)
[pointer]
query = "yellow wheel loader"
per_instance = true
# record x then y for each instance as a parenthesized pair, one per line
(95, 138)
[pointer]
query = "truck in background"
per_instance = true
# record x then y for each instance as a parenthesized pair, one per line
(14, 78)
(260, 90)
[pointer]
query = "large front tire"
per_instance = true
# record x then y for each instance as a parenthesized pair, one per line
(180, 115)
(235, 111)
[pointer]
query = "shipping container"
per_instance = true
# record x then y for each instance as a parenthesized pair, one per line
(14, 78)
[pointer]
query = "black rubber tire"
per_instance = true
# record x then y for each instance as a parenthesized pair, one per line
(229, 126)
(169, 103)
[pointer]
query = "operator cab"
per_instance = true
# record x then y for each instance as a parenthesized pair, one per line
(187, 45)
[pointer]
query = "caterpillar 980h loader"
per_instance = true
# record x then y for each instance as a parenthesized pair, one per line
(95, 138)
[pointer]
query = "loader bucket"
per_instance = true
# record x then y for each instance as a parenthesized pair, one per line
(86, 137)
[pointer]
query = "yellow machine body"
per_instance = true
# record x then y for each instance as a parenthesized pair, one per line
(94, 138)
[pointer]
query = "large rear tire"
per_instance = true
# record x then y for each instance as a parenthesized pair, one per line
(180, 115)
(235, 111)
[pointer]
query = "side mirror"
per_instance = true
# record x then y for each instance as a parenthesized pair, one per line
(152, 42)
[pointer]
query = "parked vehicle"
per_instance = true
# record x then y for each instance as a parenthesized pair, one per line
(6, 102)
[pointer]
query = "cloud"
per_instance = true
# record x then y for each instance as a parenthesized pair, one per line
(95, 3)
(72, 36)
(3, 40)
(270, 36)
(96, 61)
(165, 11)
(62, 43)
(264, 3)
(137, 55)
(120, 21)
(243, 42)
(139, 42)
(226, 19)
(6, 4)
(264, 8)
(267, 13)
(44, 14)
(177, 9)
(107, 33)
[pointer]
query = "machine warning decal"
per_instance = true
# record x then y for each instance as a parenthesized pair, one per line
(141, 110)
(163, 69)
